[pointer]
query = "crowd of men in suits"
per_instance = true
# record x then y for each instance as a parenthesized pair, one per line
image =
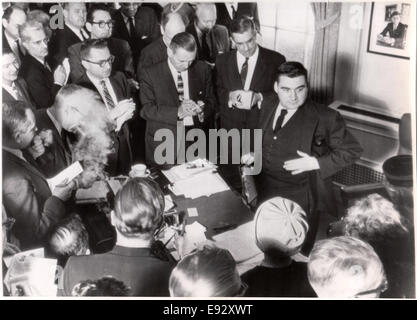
(98, 89)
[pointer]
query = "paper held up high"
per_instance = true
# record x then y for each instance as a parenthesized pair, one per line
(67, 174)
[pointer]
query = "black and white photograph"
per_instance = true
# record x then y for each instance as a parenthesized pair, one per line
(388, 30)
(182, 150)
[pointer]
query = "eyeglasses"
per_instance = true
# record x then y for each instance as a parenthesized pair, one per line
(381, 288)
(102, 24)
(39, 42)
(102, 63)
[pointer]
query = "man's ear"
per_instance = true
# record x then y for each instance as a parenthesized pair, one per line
(5, 23)
(356, 270)
(170, 52)
(18, 137)
(276, 86)
(88, 26)
(112, 218)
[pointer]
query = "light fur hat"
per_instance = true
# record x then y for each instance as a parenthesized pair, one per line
(280, 225)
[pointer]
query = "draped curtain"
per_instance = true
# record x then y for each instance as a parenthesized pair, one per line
(323, 64)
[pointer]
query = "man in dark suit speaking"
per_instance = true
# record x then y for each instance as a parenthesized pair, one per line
(300, 138)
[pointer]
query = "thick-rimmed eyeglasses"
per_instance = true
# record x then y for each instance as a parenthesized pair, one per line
(381, 288)
(102, 63)
(102, 24)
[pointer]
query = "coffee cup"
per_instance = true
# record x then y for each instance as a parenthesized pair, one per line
(138, 171)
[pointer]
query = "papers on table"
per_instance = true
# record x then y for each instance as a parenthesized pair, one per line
(188, 170)
(240, 242)
(203, 184)
(39, 252)
(30, 274)
(68, 174)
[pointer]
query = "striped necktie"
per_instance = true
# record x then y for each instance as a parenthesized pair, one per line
(180, 87)
(107, 97)
(244, 72)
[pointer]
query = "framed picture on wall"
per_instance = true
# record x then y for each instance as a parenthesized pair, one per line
(388, 29)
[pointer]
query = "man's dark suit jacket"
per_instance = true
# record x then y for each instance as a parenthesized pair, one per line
(57, 157)
(27, 198)
(398, 33)
(228, 79)
(218, 43)
(6, 46)
(160, 102)
(61, 40)
(119, 48)
(121, 161)
(147, 29)
(23, 89)
(40, 81)
(138, 268)
(243, 9)
(154, 53)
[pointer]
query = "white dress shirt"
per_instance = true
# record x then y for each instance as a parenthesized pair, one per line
(97, 84)
(188, 121)
(287, 117)
(229, 6)
(251, 66)
(81, 33)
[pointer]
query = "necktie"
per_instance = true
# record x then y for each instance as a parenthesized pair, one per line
(205, 48)
(244, 72)
(180, 87)
(20, 50)
(234, 11)
(280, 120)
(131, 28)
(107, 97)
(46, 65)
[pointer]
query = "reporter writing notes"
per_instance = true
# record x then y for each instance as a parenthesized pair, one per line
(26, 194)
(301, 141)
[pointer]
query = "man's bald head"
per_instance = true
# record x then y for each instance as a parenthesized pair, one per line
(171, 26)
(206, 16)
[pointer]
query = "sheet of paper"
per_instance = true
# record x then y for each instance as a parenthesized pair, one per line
(187, 170)
(240, 242)
(208, 183)
(194, 235)
(35, 276)
(68, 173)
(39, 252)
(169, 203)
(192, 212)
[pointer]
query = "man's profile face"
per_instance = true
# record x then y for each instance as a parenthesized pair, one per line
(11, 27)
(97, 57)
(292, 92)
(27, 130)
(245, 43)
(98, 32)
(76, 14)
(37, 46)
(181, 59)
(10, 67)
(206, 19)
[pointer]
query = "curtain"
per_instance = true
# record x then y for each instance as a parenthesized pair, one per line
(323, 64)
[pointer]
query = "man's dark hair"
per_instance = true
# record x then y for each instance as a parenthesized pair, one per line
(291, 69)
(9, 11)
(89, 44)
(395, 13)
(96, 7)
(183, 40)
(14, 116)
(104, 287)
(242, 24)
